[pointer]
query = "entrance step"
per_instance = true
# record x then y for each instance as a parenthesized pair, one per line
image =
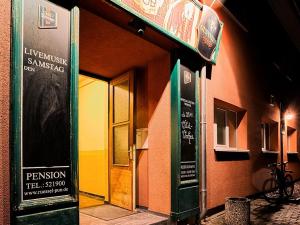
(140, 218)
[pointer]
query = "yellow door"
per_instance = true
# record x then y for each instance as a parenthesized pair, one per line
(121, 141)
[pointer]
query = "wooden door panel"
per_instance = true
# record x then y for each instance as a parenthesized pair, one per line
(121, 188)
(121, 141)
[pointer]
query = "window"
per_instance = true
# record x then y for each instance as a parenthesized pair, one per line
(291, 139)
(225, 128)
(269, 136)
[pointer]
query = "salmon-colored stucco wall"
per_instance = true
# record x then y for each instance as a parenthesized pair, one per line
(142, 178)
(142, 122)
(236, 79)
(5, 19)
(159, 133)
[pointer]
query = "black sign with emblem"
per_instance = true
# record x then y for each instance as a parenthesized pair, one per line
(209, 32)
(188, 124)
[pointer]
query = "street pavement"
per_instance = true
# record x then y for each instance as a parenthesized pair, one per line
(264, 213)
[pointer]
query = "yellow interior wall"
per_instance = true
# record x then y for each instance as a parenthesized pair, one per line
(93, 136)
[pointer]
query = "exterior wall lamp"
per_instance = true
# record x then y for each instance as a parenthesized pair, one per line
(289, 116)
(138, 25)
(272, 101)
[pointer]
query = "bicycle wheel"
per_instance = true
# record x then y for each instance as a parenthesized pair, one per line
(271, 190)
(288, 185)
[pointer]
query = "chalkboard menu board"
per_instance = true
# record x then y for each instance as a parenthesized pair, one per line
(45, 100)
(187, 124)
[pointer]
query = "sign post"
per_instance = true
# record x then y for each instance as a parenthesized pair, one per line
(45, 99)
(44, 151)
(185, 148)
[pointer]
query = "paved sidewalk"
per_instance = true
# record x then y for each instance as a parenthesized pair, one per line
(264, 213)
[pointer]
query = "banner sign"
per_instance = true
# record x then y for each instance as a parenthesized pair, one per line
(209, 32)
(45, 151)
(195, 24)
(187, 124)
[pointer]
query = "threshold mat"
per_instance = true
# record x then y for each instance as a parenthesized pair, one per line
(107, 212)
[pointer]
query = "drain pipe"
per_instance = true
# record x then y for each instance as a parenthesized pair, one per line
(203, 201)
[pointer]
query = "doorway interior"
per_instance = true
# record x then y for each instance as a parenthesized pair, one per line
(93, 141)
(106, 160)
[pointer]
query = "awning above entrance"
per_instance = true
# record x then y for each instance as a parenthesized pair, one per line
(109, 50)
(170, 24)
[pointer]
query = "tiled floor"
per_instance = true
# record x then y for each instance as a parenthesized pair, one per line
(141, 218)
(137, 218)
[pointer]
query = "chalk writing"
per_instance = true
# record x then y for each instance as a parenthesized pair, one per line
(188, 125)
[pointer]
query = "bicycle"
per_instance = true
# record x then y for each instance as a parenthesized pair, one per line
(280, 186)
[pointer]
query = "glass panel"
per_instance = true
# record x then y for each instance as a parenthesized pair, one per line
(267, 135)
(121, 145)
(121, 102)
(231, 123)
(263, 141)
(220, 120)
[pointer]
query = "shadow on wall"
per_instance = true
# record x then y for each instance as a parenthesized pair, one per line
(260, 175)
(232, 156)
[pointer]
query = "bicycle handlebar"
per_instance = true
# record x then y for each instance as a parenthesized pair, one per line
(273, 165)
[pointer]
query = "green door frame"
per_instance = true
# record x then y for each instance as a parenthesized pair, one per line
(64, 209)
(184, 194)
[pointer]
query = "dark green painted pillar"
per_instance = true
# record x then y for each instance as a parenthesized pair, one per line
(185, 147)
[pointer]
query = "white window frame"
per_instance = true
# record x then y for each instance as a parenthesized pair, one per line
(264, 139)
(226, 145)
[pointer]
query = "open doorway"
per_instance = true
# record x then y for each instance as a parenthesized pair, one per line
(115, 65)
(93, 141)
(106, 187)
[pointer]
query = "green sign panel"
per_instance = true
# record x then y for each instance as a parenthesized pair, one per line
(45, 101)
(44, 113)
(185, 148)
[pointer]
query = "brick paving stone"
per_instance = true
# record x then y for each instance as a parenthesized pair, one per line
(264, 213)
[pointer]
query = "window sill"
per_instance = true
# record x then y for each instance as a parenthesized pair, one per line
(269, 152)
(293, 156)
(231, 150)
(292, 153)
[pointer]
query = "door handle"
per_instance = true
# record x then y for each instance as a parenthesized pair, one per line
(130, 152)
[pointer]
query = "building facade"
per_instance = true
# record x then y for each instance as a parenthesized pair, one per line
(133, 135)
